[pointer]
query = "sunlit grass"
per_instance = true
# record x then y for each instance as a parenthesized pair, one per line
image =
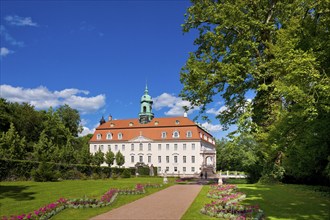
(277, 201)
(25, 196)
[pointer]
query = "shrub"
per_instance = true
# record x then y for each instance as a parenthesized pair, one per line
(95, 176)
(73, 175)
(126, 174)
(44, 173)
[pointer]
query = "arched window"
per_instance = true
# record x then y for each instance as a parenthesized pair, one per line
(120, 136)
(144, 109)
(98, 136)
(176, 134)
(109, 136)
(163, 134)
(189, 134)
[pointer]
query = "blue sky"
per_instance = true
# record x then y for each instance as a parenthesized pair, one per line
(97, 56)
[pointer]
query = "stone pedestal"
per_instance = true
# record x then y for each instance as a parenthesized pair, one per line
(165, 181)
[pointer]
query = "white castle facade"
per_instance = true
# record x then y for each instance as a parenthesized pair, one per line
(175, 145)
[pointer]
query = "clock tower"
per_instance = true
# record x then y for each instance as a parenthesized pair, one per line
(146, 115)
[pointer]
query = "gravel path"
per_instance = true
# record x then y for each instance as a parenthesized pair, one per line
(170, 203)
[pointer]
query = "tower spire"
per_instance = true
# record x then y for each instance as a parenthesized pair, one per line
(146, 115)
(146, 89)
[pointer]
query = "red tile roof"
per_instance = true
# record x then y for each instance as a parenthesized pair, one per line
(131, 128)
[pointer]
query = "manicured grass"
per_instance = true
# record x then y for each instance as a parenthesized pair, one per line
(277, 201)
(23, 197)
(87, 213)
(194, 210)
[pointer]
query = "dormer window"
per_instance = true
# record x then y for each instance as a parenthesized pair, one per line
(176, 134)
(131, 124)
(156, 122)
(120, 136)
(189, 134)
(109, 136)
(98, 136)
(112, 125)
(163, 134)
(177, 122)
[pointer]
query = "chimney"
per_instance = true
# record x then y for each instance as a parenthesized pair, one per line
(185, 114)
(110, 118)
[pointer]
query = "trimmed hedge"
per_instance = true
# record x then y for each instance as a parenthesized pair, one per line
(22, 170)
(145, 170)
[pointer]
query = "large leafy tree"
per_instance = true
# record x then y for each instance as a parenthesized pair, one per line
(70, 118)
(281, 51)
(109, 158)
(98, 158)
(120, 160)
(12, 146)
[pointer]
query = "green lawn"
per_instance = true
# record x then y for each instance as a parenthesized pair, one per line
(25, 196)
(278, 202)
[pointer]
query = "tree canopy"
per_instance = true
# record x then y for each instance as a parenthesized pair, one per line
(280, 51)
(29, 134)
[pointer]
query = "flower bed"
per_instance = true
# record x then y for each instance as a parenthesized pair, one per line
(106, 199)
(227, 204)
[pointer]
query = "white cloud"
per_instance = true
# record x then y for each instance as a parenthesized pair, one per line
(175, 104)
(20, 21)
(86, 131)
(42, 98)
(5, 51)
(9, 38)
(217, 112)
(211, 127)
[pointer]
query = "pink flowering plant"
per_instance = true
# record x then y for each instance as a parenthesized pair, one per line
(44, 212)
(227, 205)
(48, 211)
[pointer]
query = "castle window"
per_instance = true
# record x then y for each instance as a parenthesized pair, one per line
(175, 147)
(95, 148)
(120, 136)
(159, 147)
(176, 134)
(189, 134)
(141, 147)
(98, 136)
(109, 136)
(132, 159)
(123, 147)
(163, 134)
(149, 147)
(184, 146)
(132, 147)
